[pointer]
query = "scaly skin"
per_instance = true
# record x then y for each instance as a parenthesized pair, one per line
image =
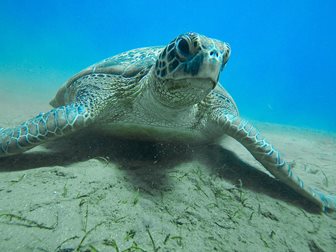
(46, 126)
(270, 158)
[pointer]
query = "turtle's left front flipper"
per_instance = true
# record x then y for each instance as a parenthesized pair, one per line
(46, 126)
(271, 159)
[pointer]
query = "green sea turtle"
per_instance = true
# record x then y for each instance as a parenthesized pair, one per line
(167, 93)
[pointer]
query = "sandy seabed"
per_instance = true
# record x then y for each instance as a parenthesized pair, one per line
(93, 193)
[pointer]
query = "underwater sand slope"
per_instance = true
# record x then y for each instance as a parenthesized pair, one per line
(94, 193)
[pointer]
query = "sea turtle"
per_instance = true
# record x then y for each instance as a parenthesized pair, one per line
(167, 93)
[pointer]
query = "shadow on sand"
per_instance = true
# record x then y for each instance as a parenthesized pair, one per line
(148, 160)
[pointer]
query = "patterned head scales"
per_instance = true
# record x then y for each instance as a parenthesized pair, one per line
(188, 68)
(187, 54)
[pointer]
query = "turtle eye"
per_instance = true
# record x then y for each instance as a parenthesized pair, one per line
(183, 47)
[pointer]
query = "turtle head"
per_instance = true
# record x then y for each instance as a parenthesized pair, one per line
(188, 68)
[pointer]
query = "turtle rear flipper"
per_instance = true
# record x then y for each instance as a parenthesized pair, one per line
(46, 126)
(271, 159)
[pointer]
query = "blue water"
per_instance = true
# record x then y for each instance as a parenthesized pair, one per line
(282, 66)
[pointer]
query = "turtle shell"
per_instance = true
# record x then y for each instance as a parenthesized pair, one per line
(127, 64)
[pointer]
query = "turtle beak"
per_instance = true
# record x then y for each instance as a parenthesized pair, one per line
(211, 66)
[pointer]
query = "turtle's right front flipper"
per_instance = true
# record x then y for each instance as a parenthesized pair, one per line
(44, 127)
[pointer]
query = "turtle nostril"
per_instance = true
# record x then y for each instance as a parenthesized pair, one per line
(214, 53)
